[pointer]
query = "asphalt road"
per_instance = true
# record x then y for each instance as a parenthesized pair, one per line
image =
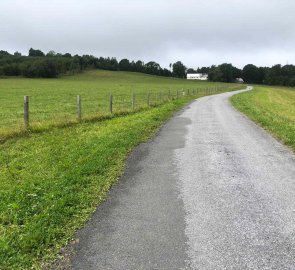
(211, 191)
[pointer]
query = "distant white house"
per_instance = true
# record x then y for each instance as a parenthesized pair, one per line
(239, 80)
(197, 76)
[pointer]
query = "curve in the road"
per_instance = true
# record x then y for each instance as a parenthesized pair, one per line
(211, 191)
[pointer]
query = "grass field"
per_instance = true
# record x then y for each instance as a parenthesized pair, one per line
(53, 101)
(50, 182)
(271, 107)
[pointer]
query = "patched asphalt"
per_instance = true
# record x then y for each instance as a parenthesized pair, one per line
(211, 191)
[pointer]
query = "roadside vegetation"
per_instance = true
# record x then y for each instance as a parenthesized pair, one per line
(51, 181)
(271, 107)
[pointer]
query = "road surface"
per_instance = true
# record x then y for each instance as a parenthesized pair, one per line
(211, 191)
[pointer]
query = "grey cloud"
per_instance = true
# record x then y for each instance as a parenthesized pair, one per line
(198, 32)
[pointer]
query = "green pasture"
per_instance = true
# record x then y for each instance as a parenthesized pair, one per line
(54, 101)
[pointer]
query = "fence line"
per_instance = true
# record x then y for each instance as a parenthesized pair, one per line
(137, 101)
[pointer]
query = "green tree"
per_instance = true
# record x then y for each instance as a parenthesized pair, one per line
(4, 53)
(215, 74)
(36, 53)
(139, 66)
(178, 70)
(17, 54)
(205, 70)
(153, 68)
(51, 53)
(191, 71)
(251, 74)
(124, 65)
(227, 72)
(68, 55)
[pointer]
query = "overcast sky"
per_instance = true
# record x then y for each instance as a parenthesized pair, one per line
(197, 32)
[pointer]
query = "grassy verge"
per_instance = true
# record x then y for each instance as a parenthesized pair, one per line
(271, 107)
(51, 182)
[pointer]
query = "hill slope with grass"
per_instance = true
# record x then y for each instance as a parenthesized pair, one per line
(53, 101)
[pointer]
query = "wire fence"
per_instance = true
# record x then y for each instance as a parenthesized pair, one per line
(51, 112)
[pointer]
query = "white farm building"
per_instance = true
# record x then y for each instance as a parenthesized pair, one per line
(197, 76)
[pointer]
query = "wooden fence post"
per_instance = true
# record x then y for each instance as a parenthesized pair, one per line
(79, 107)
(26, 111)
(148, 98)
(177, 94)
(111, 103)
(133, 102)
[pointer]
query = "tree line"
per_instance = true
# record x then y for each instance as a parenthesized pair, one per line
(51, 65)
(275, 75)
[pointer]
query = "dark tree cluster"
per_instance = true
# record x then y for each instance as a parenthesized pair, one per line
(223, 73)
(37, 64)
(151, 67)
(50, 65)
(179, 70)
(275, 75)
